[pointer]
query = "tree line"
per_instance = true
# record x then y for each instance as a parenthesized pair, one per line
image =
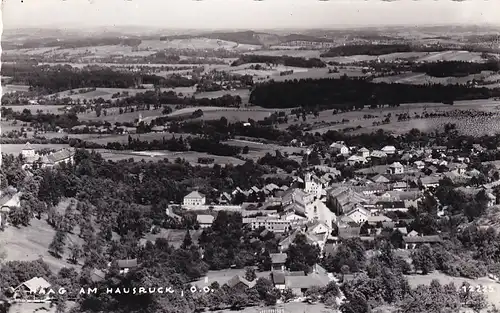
(282, 60)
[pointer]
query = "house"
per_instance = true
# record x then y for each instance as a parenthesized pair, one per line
(300, 284)
(356, 159)
(389, 149)
(358, 214)
(363, 152)
(377, 154)
(381, 179)
(311, 239)
(344, 199)
(225, 198)
(374, 220)
(279, 280)
(419, 164)
(194, 198)
(278, 261)
(396, 168)
(400, 186)
(276, 225)
(391, 206)
(36, 288)
(339, 148)
(126, 266)
(416, 241)
(238, 282)
(97, 275)
(34, 160)
(430, 181)
(313, 185)
(492, 200)
(205, 220)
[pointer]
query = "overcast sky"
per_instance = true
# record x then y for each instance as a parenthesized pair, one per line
(245, 13)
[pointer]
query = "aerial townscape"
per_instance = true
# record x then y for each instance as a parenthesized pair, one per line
(315, 170)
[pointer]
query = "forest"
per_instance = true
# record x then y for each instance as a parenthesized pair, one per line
(348, 93)
(282, 60)
(456, 68)
(374, 49)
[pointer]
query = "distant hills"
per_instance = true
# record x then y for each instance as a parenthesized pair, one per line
(250, 37)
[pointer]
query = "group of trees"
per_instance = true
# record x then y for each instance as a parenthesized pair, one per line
(282, 60)
(375, 49)
(456, 68)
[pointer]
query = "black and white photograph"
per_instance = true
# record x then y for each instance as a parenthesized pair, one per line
(252, 156)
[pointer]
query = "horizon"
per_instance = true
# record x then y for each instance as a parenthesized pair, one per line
(238, 14)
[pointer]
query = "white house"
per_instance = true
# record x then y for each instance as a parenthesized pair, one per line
(377, 154)
(396, 168)
(194, 199)
(419, 164)
(205, 220)
(359, 214)
(339, 148)
(313, 185)
(32, 158)
(363, 152)
(352, 160)
(389, 149)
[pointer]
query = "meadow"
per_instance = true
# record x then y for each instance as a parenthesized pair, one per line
(31, 243)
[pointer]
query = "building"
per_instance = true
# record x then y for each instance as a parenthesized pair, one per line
(396, 168)
(238, 282)
(358, 214)
(313, 185)
(278, 261)
(274, 224)
(205, 220)
(363, 152)
(344, 199)
(339, 148)
(413, 242)
(126, 266)
(194, 198)
(36, 288)
(34, 160)
(389, 149)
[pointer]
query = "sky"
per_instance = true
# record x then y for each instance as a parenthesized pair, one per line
(244, 14)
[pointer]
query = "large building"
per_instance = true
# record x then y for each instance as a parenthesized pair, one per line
(194, 198)
(33, 159)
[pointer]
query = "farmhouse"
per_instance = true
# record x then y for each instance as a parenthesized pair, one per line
(389, 149)
(413, 242)
(36, 288)
(396, 168)
(33, 160)
(278, 261)
(238, 282)
(363, 152)
(126, 265)
(194, 198)
(205, 220)
(339, 148)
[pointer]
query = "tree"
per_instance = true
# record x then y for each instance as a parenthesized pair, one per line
(56, 247)
(76, 253)
(187, 242)
(423, 259)
(302, 256)
(250, 274)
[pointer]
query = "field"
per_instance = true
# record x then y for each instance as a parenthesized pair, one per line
(492, 297)
(248, 111)
(175, 237)
(289, 52)
(418, 56)
(190, 156)
(473, 126)
(421, 78)
(195, 43)
(258, 150)
(14, 88)
(54, 109)
(31, 243)
(106, 93)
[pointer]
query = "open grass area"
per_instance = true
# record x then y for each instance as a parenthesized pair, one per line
(53, 109)
(289, 52)
(31, 243)
(175, 237)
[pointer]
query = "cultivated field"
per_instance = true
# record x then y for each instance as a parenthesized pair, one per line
(31, 243)
(195, 43)
(14, 88)
(106, 93)
(289, 52)
(258, 150)
(54, 109)
(421, 78)
(248, 111)
(417, 56)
